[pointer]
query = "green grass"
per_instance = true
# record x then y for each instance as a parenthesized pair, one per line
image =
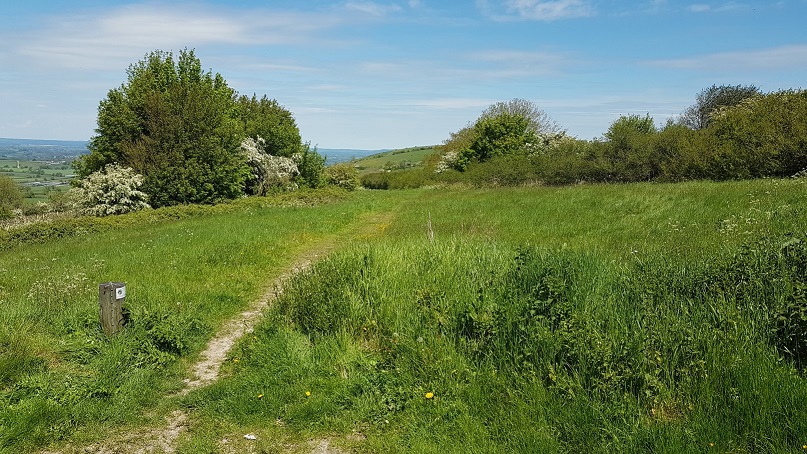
(63, 379)
(26, 172)
(630, 318)
(394, 160)
(621, 318)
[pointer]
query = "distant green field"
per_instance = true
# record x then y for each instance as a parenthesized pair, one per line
(404, 158)
(37, 178)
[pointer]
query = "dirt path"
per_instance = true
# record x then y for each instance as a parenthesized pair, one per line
(206, 370)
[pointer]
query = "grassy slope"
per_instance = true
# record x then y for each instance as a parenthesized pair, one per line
(379, 325)
(395, 159)
(593, 318)
(59, 377)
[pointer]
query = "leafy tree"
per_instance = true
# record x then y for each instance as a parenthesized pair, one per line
(761, 136)
(538, 120)
(627, 153)
(709, 100)
(175, 124)
(311, 165)
(10, 196)
(266, 119)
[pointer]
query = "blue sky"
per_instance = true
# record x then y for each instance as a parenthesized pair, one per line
(397, 73)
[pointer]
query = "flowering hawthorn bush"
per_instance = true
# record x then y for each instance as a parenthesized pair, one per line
(268, 172)
(112, 190)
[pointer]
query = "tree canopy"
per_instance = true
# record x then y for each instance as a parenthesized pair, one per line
(709, 100)
(181, 128)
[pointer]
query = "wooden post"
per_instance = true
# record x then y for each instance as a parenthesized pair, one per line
(110, 297)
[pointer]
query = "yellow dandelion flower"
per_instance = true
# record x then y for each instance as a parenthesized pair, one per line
(235, 360)
(711, 445)
(260, 396)
(308, 394)
(429, 395)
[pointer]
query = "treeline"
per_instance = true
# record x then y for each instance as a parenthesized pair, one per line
(175, 134)
(731, 132)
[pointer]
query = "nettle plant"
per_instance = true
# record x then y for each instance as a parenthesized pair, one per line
(268, 172)
(111, 190)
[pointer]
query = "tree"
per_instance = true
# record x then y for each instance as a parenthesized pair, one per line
(517, 126)
(627, 153)
(175, 124)
(10, 196)
(266, 119)
(709, 100)
(538, 120)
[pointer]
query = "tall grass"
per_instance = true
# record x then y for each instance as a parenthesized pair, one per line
(185, 269)
(641, 318)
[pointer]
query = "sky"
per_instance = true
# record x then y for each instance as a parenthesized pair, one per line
(374, 74)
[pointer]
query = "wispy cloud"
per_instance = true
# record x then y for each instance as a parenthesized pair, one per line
(373, 8)
(781, 58)
(537, 10)
(521, 63)
(451, 103)
(116, 36)
(716, 8)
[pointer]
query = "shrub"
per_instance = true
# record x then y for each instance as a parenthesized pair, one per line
(268, 172)
(342, 175)
(113, 190)
(10, 196)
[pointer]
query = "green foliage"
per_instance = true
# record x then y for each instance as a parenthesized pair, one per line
(762, 136)
(712, 99)
(10, 196)
(266, 119)
(181, 127)
(628, 153)
(342, 175)
(311, 166)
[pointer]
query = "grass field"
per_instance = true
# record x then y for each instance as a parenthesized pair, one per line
(404, 158)
(621, 318)
(37, 178)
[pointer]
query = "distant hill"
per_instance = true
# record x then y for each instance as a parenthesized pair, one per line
(49, 150)
(41, 150)
(337, 155)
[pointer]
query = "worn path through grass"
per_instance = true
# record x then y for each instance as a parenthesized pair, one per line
(205, 370)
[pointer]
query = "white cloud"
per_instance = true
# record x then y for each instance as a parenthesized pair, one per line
(783, 57)
(116, 37)
(372, 8)
(544, 10)
(451, 103)
(711, 8)
(523, 63)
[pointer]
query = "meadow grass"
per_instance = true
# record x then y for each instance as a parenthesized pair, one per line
(395, 159)
(627, 318)
(636, 318)
(186, 270)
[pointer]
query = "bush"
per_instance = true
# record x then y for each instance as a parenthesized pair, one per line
(342, 175)
(10, 197)
(268, 173)
(113, 190)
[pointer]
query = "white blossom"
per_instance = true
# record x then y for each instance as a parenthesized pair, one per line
(112, 190)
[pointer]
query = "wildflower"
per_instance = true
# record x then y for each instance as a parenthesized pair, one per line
(711, 444)
(260, 396)
(308, 394)
(429, 395)
(235, 360)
